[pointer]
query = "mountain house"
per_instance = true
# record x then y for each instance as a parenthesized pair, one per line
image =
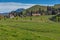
(11, 15)
(36, 14)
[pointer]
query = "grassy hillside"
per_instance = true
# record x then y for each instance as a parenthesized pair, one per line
(42, 8)
(35, 8)
(39, 28)
(57, 6)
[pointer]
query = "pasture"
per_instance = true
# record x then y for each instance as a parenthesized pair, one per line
(39, 28)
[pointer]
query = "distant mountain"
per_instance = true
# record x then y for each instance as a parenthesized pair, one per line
(4, 14)
(19, 10)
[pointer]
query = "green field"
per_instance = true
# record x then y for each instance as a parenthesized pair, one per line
(39, 28)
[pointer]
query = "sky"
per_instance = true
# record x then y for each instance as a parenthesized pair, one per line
(11, 5)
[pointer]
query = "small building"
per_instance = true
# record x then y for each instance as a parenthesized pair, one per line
(36, 14)
(11, 15)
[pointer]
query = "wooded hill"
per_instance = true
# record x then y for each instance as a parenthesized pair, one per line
(48, 10)
(35, 8)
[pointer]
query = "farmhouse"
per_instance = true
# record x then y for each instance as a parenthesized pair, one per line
(11, 15)
(36, 14)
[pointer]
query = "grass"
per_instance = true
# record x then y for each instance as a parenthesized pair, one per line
(39, 28)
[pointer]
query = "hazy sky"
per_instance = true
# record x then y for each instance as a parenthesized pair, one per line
(9, 5)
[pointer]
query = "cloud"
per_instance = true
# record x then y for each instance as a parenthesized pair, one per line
(10, 6)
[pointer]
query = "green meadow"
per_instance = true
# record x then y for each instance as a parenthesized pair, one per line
(37, 28)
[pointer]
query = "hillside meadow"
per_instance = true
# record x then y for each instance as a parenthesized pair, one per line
(37, 28)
